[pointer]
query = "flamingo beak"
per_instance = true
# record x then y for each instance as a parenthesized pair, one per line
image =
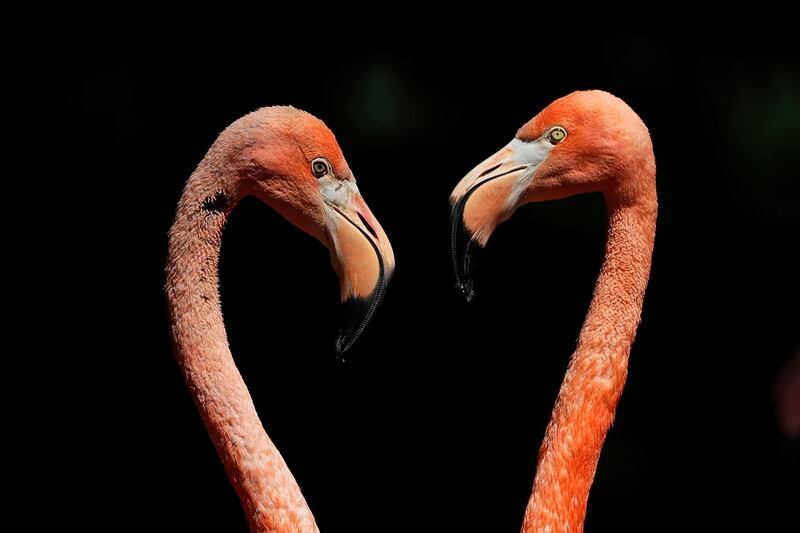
(361, 255)
(488, 195)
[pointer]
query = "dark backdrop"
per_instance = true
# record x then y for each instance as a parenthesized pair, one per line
(435, 422)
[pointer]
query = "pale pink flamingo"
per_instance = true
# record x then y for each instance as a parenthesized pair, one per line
(291, 161)
(586, 142)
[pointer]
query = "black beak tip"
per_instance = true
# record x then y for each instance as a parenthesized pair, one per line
(343, 345)
(464, 249)
(357, 315)
(466, 253)
(466, 290)
(359, 312)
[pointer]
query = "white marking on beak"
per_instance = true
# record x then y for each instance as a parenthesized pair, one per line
(337, 192)
(337, 199)
(531, 154)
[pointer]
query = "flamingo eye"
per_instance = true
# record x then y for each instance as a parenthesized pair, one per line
(320, 167)
(556, 135)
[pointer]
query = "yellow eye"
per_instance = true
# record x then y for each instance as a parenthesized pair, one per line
(556, 135)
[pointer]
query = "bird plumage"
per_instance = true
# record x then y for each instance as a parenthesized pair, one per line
(269, 153)
(588, 141)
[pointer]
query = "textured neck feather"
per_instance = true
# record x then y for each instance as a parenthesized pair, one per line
(269, 493)
(596, 375)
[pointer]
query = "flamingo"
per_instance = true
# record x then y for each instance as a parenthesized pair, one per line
(291, 161)
(588, 141)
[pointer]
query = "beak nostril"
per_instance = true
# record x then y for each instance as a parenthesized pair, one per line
(367, 225)
(488, 170)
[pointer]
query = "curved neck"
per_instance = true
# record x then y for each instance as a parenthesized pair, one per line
(596, 375)
(269, 493)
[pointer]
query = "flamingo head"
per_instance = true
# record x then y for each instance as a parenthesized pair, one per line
(290, 160)
(588, 141)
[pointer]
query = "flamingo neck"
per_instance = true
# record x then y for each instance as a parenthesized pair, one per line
(596, 375)
(270, 496)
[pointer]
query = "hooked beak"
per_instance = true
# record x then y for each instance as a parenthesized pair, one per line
(488, 195)
(361, 255)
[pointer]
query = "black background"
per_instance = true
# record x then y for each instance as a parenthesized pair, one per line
(435, 422)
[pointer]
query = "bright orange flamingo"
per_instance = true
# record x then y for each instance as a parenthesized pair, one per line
(585, 142)
(291, 161)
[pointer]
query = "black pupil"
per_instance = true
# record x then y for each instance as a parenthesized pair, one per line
(319, 168)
